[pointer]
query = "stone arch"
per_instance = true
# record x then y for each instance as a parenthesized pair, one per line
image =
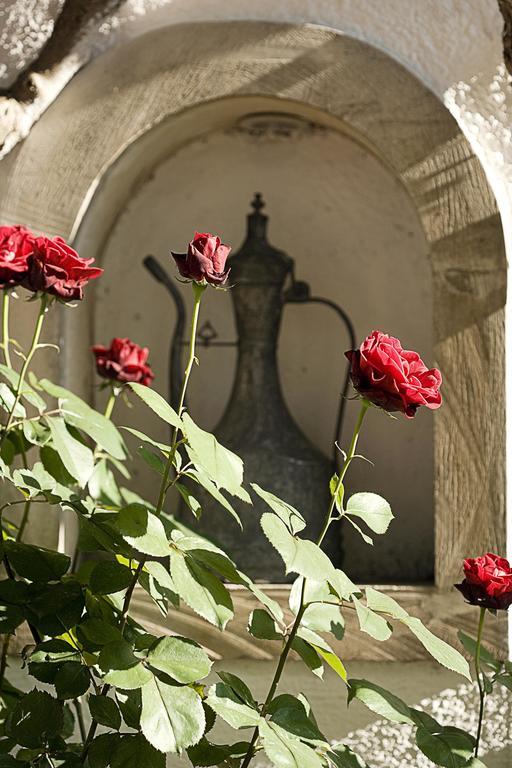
(155, 82)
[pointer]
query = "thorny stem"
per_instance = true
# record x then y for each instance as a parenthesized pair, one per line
(164, 486)
(479, 679)
(329, 518)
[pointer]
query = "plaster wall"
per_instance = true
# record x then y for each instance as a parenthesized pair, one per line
(354, 233)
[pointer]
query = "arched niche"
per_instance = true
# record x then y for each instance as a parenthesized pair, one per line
(122, 101)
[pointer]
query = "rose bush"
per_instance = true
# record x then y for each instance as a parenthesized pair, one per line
(123, 361)
(100, 665)
(205, 260)
(393, 378)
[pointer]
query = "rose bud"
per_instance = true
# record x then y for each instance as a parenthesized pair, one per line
(123, 361)
(488, 582)
(16, 245)
(56, 269)
(205, 260)
(393, 378)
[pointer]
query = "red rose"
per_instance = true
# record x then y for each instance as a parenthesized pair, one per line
(488, 582)
(205, 260)
(56, 269)
(16, 245)
(393, 378)
(123, 361)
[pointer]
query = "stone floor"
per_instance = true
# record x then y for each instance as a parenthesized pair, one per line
(381, 744)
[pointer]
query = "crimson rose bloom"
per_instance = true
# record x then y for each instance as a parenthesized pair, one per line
(205, 260)
(56, 269)
(123, 361)
(393, 378)
(488, 582)
(16, 245)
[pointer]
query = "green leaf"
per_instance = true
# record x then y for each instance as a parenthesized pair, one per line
(333, 660)
(206, 754)
(371, 623)
(373, 509)
(52, 463)
(288, 514)
(81, 415)
(143, 530)
(157, 404)
(239, 688)
(130, 704)
(105, 711)
(36, 563)
(228, 705)
(97, 632)
(333, 485)
(76, 457)
(200, 477)
(53, 608)
(342, 585)
(109, 576)
(201, 590)
(286, 751)
(224, 467)
(157, 582)
(36, 718)
(382, 603)
(441, 651)
(166, 449)
(101, 750)
(153, 460)
(192, 503)
(343, 757)
(35, 432)
(10, 618)
(263, 626)
(309, 656)
(7, 400)
(323, 611)
(26, 390)
(290, 714)
(380, 701)
(446, 746)
(485, 656)
(8, 761)
(103, 486)
(136, 752)
(122, 668)
(72, 680)
(172, 716)
(180, 658)
(8, 451)
(299, 555)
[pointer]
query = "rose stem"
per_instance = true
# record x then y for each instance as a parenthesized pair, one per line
(302, 607)
(5, 328)
(26, 510)
(108, 415)
(26, 364)
(481, 687)
(198, 292)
